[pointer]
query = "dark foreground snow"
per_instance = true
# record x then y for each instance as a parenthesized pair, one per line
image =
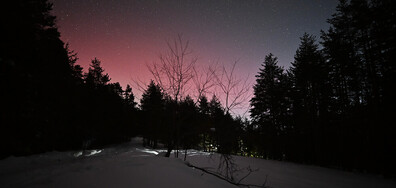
(131, 165)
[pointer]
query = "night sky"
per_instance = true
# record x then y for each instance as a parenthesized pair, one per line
(127, 34)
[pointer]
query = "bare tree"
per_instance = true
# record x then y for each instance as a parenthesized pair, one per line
(204, 80)
(175, 68)
(139, 85)
(235, 93)
(234, 89)
(174, 72)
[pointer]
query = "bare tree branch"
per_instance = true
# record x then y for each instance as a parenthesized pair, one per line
(235, 90)
(139, 85)
(220, 176)
(175, 68)
(250, 170)
(204, 80)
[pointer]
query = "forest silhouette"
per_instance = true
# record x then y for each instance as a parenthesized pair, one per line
(333, 107)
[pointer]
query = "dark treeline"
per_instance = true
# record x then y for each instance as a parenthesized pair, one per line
(183, 124)
(334, 106)
(47, 102)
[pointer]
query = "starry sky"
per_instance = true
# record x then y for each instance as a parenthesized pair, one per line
(127, 34)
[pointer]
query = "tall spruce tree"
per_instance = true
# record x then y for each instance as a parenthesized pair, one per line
(152, 105)
(189, 128)
(203, 109)
(360, 48)
(270, 106)
(347, 81)
(129, 97)
(309, 77)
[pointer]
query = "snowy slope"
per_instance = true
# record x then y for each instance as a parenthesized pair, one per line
(130, 165)
(127, 166)
(291, 175)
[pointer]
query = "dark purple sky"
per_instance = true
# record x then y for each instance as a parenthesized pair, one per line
(127, 34)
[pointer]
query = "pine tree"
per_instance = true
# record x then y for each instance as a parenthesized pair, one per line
(115, 88)
(267, 91)
(203, 105)
(343, 61)
(152, 106)
(37, 93)
(95, 75)
(360, 48)
(215, 109)
(309, 77)
(129, 97)
(347, 81)
(203, 109)
(189, 125)
(270, 107)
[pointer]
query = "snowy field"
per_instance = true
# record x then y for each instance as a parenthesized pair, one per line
(131, 165)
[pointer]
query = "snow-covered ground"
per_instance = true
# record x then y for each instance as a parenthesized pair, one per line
(131, 165)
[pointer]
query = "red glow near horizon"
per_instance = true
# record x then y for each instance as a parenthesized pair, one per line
(126, 35)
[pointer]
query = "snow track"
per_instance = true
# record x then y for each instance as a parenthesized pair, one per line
(130, 165)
